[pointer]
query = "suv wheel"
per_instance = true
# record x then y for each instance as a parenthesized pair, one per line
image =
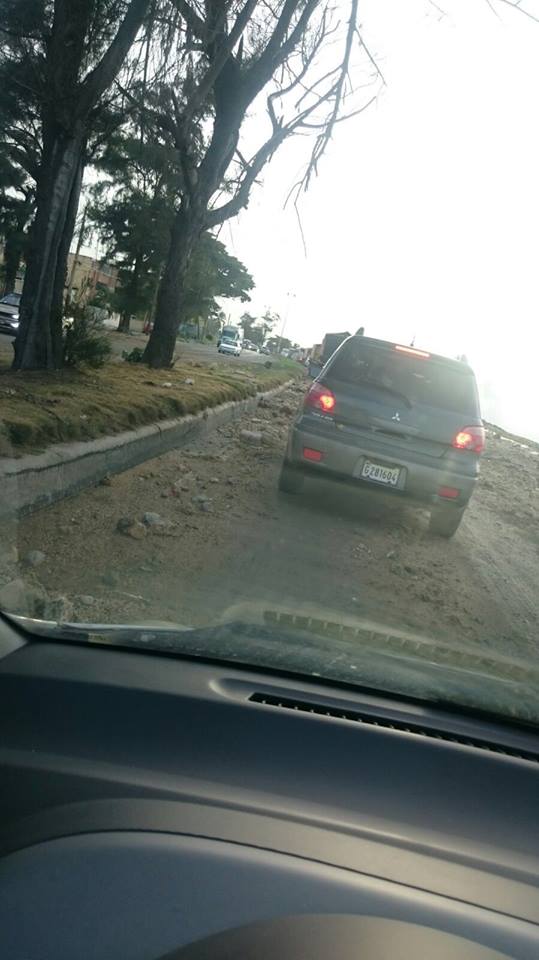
(290, 479)
(445, 520)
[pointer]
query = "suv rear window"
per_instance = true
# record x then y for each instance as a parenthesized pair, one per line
(422, 381)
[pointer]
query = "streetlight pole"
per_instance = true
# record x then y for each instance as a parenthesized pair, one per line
(285, 321)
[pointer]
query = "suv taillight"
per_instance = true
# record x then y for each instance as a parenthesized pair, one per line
(470, 438)
(321, 398)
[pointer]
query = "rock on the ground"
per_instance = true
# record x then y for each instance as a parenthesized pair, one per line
(131, 528)
(20, 596)
(8, 561)
(86, 600)
(180, 486)
(251, 436)
(59, 609)
(152, 519)
(34, 558)
(201, 498)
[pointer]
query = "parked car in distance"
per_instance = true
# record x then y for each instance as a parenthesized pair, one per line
(232, 347)
(9, 313)
(230, 341)
(249, 345)
(387, 416)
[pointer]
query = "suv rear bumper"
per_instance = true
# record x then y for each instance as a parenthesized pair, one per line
(419, 479)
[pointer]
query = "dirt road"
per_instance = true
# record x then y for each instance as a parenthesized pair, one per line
(217, 534)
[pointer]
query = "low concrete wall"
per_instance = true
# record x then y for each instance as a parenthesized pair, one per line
(35, 481)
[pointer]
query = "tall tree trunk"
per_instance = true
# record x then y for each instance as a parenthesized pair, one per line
(67, 105)
(132, 292)
(153, 305)
(38, 344)
(57, 303)
(186, 231)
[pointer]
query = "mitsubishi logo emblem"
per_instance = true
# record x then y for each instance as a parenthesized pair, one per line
(396, 417)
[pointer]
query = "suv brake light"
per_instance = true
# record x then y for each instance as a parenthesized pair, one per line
(320, 398)
(412, 351)
(470, 438)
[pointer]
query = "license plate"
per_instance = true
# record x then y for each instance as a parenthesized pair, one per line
(375, 471)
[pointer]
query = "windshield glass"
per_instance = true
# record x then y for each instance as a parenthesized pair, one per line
(289, 418)
(419, 379)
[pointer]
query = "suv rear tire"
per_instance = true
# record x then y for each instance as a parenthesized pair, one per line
(445, 520)
(290, 479)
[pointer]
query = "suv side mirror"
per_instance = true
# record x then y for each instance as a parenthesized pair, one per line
(314, 368)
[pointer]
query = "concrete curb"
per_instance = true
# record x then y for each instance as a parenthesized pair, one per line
(37, 480)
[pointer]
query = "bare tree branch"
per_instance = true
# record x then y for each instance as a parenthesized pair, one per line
(438, 9)
(191, 17)
(278, 46)
(324, 138)
(516, 5)
(219, 59)
(104, 73)
(285, 45)
(370, 57)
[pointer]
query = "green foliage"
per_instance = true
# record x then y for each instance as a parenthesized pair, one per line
(133, 356)
(100, 297)
(280, 343)
(257, 329)
(84, 345)
(213, 273)
(133, 207)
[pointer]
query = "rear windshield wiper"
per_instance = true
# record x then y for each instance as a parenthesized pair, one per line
(389, 390)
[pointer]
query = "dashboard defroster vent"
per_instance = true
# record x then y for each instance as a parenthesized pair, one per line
(373, 720)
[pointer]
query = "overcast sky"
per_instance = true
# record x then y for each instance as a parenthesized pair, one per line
(424, 220)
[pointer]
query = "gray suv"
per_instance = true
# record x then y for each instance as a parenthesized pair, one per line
(387, 416)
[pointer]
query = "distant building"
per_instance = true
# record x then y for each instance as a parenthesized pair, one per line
(86, 274)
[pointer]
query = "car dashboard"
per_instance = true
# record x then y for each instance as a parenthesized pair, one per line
(155, 806)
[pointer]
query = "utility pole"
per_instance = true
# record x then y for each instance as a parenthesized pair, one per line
(285, 321)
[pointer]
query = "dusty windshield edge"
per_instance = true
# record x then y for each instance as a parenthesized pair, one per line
(499, 688)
